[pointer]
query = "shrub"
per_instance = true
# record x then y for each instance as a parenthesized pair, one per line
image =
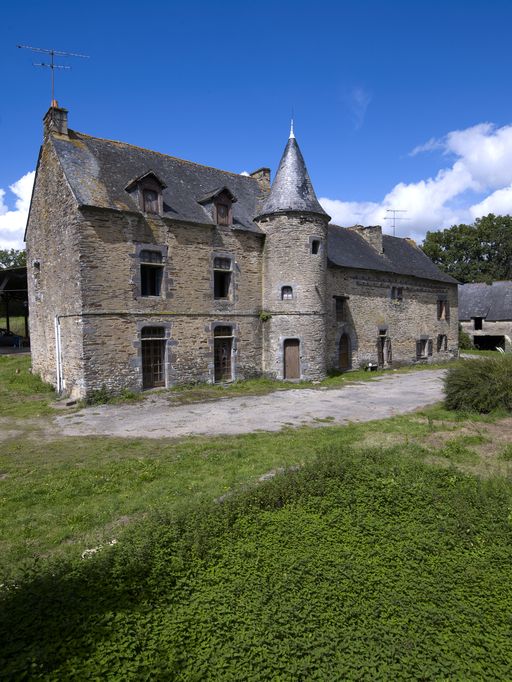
(481, 385)
(465, 342)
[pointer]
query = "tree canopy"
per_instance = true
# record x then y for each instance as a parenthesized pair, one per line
(12, 258)
(481, 252)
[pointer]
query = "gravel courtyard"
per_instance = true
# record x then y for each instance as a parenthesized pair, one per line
(157, 417)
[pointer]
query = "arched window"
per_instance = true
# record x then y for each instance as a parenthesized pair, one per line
(286, 293)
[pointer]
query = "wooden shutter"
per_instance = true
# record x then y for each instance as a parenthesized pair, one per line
(418, 349)
(389, 352)
(429, 347)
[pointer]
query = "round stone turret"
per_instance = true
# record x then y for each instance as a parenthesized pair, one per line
(294, 273)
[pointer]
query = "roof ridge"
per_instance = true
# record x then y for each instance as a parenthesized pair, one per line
(167, 156)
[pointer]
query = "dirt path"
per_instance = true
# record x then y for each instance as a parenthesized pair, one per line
(157, 418)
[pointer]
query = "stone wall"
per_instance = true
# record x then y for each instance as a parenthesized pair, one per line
(288, 261)
(53, 269)
(370, 311)
(115, 312)
(489, 328)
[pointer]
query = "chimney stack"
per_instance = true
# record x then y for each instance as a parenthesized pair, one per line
(372, 234)
(262, 175)
(56, 120)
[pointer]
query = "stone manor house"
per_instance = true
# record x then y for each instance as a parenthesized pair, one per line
(145, 270)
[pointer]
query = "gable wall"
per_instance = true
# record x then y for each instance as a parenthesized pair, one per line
(54, 290)
(370, 307)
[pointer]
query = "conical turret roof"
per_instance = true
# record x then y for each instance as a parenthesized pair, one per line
(292, 189)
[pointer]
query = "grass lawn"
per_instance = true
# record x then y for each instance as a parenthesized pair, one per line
(382, 552)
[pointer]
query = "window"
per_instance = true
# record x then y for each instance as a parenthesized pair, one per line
(397, 293)
(442, 343)
(286, 293)
(442, 309)
(477, 323)
(222, 271)
(150, 202)
(340, 309)
(423, 348)
(315, 247)
(223, 213)
(151, 273)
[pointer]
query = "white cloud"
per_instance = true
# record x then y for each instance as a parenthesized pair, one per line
(358, 101)
(482, 165)
(13, 221)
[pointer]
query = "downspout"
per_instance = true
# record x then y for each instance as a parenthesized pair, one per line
(58, 354)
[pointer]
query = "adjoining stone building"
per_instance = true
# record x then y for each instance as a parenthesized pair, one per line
(485, 314)
(146, 270)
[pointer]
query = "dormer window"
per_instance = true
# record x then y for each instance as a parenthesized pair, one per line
(150, 201)
(223, 211)
(219, 205)
(147, 190)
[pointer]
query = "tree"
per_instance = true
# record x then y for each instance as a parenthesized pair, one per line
(481, 252)
(12, 258)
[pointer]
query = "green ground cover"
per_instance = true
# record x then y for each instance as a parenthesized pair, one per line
(383, 551)
(361, 565)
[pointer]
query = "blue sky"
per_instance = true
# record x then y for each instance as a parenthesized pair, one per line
(370, 83)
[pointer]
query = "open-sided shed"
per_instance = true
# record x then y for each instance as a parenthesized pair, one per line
(14, 297)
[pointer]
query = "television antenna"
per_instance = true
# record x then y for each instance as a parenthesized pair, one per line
(52, 65)
(394, 217)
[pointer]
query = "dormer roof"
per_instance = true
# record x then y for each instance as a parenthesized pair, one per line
(211, 196)
(145, 176)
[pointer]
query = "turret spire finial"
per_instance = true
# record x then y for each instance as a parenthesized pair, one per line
(292, 135)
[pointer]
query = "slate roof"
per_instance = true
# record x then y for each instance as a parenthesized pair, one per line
(347, 248)
(292, 189)
(98, 172)
(490, 301)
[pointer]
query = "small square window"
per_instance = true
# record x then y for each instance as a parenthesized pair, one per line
(286, 293)
(315, 247)
(477, 323)
(397, 293)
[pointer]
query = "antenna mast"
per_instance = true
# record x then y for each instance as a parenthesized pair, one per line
(394, 217)
(52, 65)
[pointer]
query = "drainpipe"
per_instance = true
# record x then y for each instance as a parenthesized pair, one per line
(58, 354)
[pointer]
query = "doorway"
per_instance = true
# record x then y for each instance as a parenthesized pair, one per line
(153, 357)
(344, 353)
(291, 358)
(222, 351)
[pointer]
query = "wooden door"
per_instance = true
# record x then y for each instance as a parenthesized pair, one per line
(291, 354)
(344, 354)
(153, 363)
(222, 359)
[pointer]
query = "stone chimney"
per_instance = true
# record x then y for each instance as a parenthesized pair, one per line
(262, 175)
(372, 234)
(56, 120)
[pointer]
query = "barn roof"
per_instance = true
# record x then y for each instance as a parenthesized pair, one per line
(348, 248)
(490, 301)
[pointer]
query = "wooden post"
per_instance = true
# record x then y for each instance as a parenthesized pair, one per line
(7, 320)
